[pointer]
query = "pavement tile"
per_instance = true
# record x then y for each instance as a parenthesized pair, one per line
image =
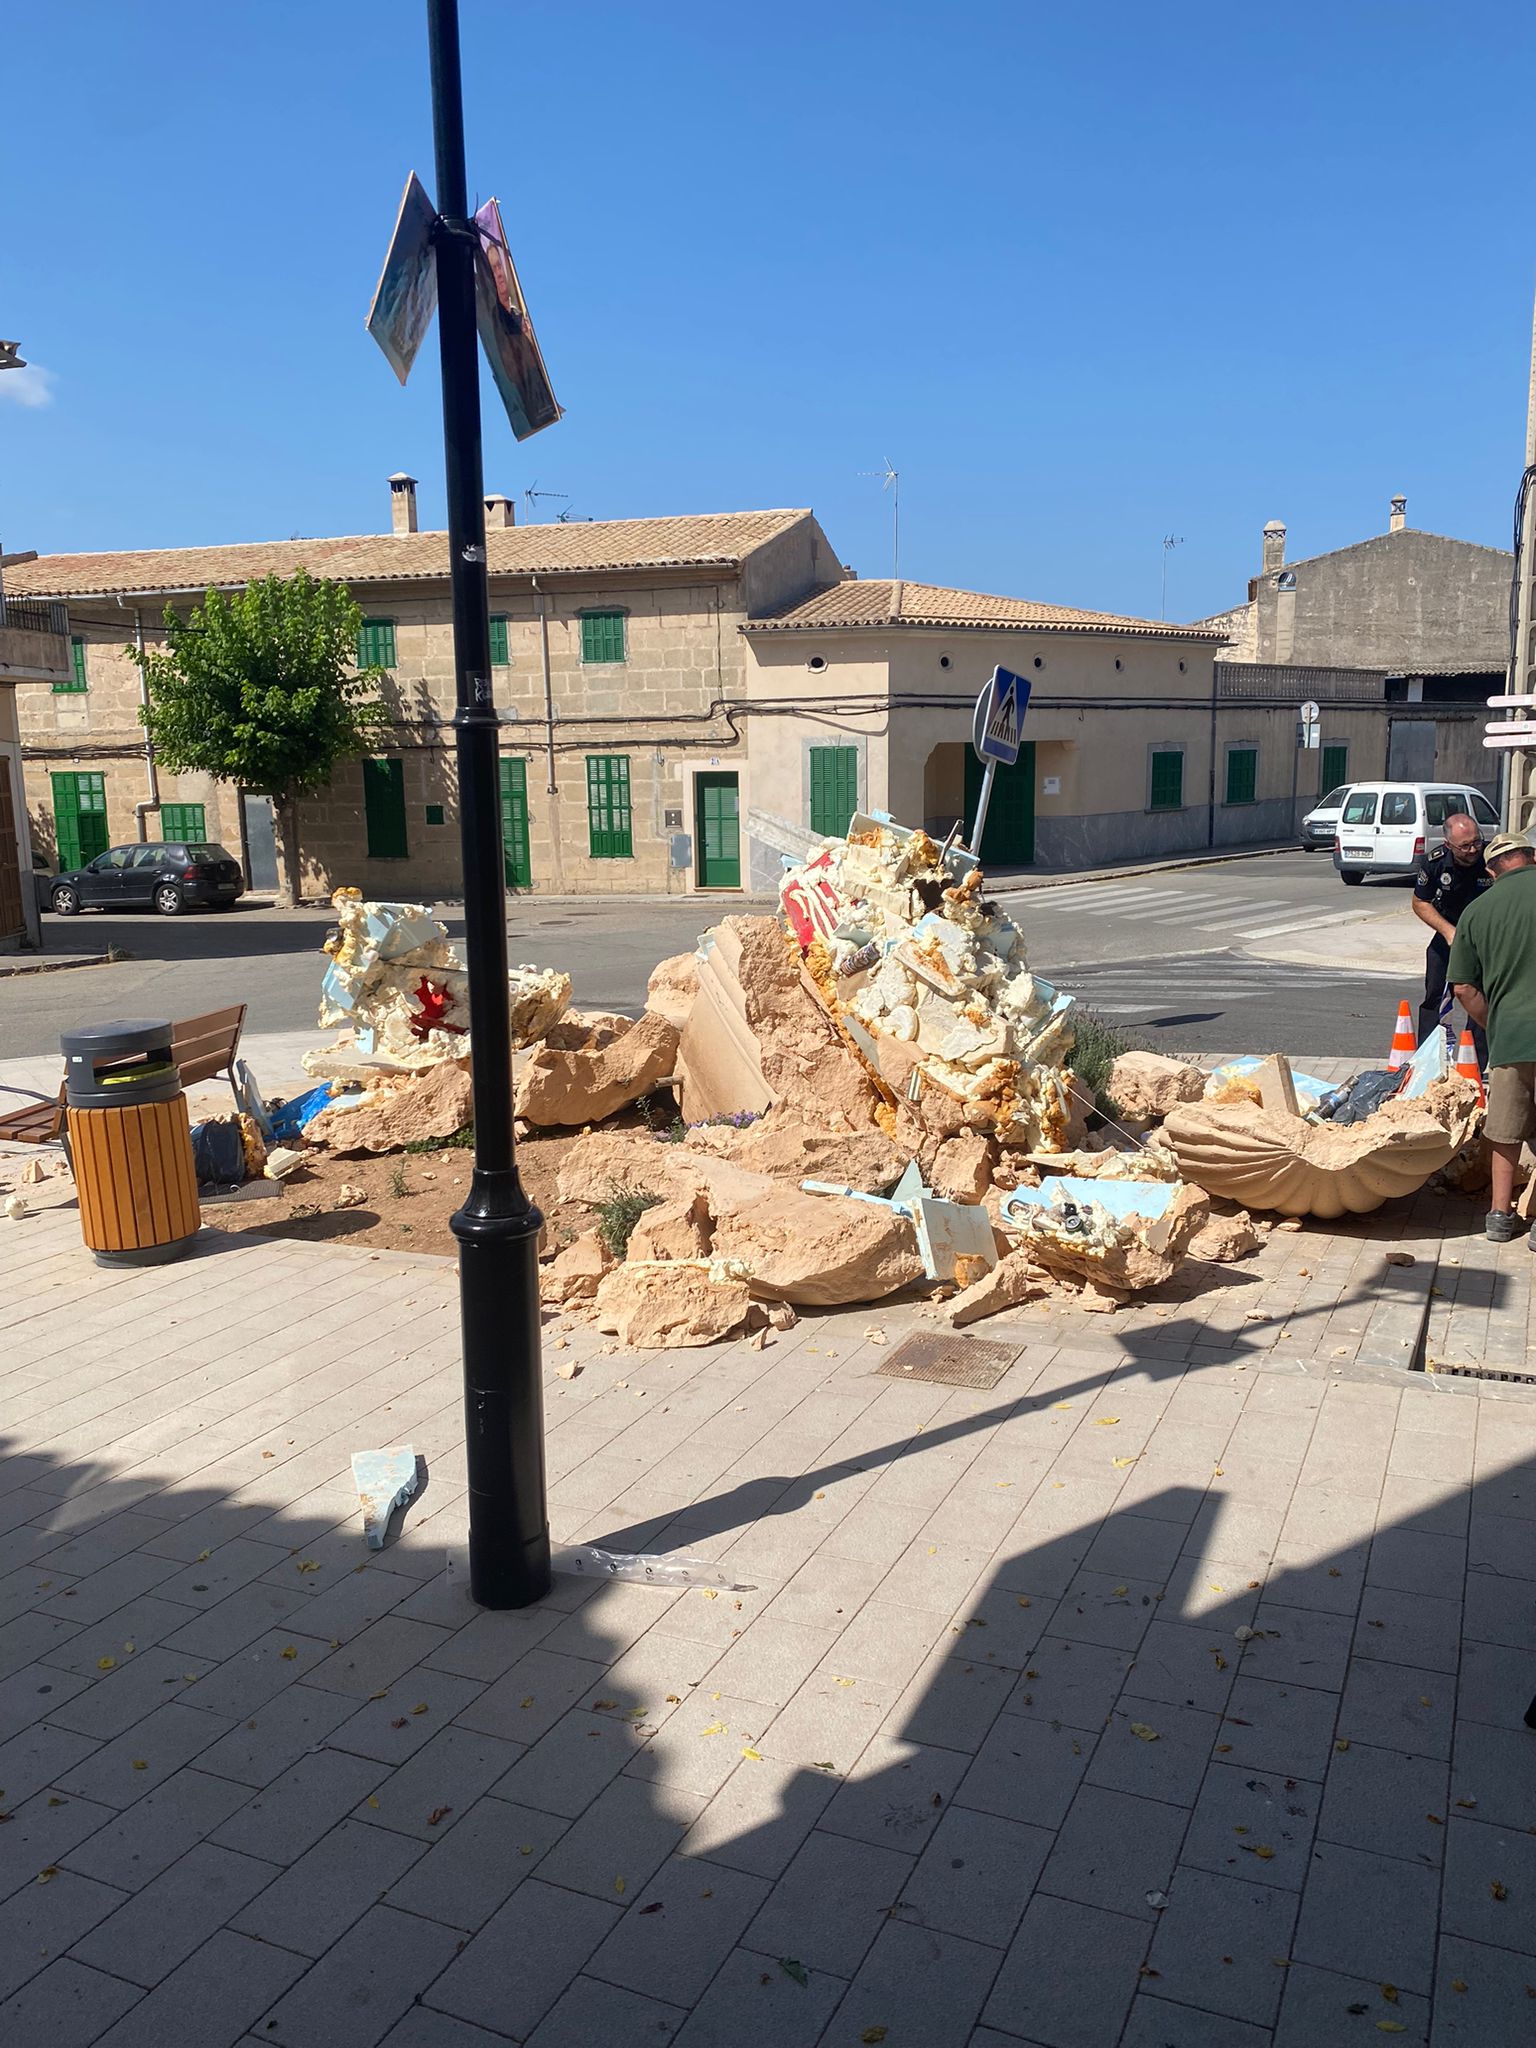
(674, 1953)
(42, 1920)
(242, 1684)
(1169, 1765)
(830, 1904)
(1284, 1728)
(33, 1638)
(1216, 1942)
(1113, 1850)
(1027, 1770)
(306, 1801)
(1499, 1544)
(392, 1729)
(1494, 2010)
(225, 1987)
(1410, 1628)
(66, 2006)
(45, 1829)
(1382, 1800)
(134, 1847)
(1369, 1916)
(1069, 1975)
(329, 1888)
(551, 1932)
(825, 1723)
(428, 1795)
(1500, 1610)
(384, 1652)
(754, 1999)
(99, 1593)
(223, 1630)
(142, 1622)
(976, 1875)
(1241, 1813)
(1100, 1607)
(925, 1988)
(361, 1986)
(593, 2011)
(1479, 1858)
(1298, 1645)
(212, 1579)
(122, 1772)
(760, 1816)
(1155, 2023)
(465, 1878)
(174, 1914)
(1322, 2009)
(1496, 1683)
(1395, 1706)
(39, 1756)
(278, 1732)
(1071, 1683)
(893, 1796)
(36, 1692)
(423, 2028)
(492, 1642)
(951, 1703)
(1178, 1662)
(771, 1661)
(131, 1692)
(1415, 1561)
(1492, 1767)
(622, 1839)
(528, 1700)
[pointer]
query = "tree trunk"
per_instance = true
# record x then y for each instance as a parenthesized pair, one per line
(290, 882)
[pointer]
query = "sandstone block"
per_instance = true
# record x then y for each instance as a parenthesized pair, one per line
(788, 1148)
(672, 987)
(673, 1230)
(564, 1088)
(962, 1167)
(574, 1275)
(669, 1305)
(817, 1251)
(1011, 1281)
(433, 1105)
(1146, 1084)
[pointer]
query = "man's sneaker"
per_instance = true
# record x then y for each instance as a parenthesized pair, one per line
(1503, 1226)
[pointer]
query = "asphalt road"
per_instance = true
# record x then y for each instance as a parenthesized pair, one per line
(1161, 954)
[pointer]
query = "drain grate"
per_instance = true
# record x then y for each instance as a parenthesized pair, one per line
(949, 1361)
(1481, 1372)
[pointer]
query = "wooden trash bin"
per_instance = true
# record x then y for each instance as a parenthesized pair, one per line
(129, 1143)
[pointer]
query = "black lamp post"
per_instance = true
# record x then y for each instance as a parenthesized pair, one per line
(498, 1227)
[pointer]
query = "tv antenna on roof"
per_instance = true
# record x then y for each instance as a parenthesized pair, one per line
(890, 480)
(533, 492)
(1170, 542)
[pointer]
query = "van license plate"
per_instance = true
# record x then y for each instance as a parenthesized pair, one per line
(1355, 852)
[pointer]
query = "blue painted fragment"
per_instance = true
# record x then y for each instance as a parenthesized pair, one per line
(385, 1480)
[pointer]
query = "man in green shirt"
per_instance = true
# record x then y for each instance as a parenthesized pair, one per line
(1493, 968)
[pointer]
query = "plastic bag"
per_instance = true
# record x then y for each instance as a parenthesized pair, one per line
(653, 1568)
(287, 1119)
(218, 1153)
(1361, 1097)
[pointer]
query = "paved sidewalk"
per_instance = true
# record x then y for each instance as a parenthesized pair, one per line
(982, 1753)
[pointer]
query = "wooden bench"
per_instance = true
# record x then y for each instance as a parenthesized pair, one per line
(202, 1047)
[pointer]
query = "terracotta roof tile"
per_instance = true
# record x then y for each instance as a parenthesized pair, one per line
(702, 540)
(884, 603)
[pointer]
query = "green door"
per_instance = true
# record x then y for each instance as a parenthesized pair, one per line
(79, 818)
(1010, 832)
(384, 809)
(718, 831)
(514, 822)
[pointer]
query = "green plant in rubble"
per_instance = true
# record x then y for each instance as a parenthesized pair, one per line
(617, 1217)
(1096, 1047)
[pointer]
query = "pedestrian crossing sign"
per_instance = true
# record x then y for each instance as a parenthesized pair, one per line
(1000, 710)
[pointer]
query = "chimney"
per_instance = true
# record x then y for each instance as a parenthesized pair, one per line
(500, 511)
(1274, 546)
(402, 502)
(1399, 518)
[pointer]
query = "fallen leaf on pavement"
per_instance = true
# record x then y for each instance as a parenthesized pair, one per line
(620, 1886)
(1147, 1734)
(106, 1663)
(654, 1907)
(792, 1967)
(752, 1756)
(1497, 1890)
(871, 2035)
(1105, 1421)
(47, 1876)
(438, 1813)
(1125, 1461)
(715, 1728)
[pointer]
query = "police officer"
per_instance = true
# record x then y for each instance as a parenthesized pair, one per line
(1445, 882)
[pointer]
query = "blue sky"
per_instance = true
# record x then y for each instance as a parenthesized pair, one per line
(1087, 276)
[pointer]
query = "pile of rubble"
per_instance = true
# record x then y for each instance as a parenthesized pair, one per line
(873, 1093)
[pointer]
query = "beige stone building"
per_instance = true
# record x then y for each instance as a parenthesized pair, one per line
(684, 703)
(34, 653)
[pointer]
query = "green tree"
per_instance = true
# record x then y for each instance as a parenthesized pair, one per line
(260, 687)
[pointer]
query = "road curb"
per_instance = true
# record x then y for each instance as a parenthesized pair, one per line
(1157, 867)
(8, 968)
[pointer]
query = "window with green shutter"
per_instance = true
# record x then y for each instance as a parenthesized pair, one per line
(610, 834)
(376, 643)
(384, 805)
(602, 636)
(1167, 780)
(183, 821)
(1335, 766)
(834, 789)
(499, 656)
(79, 818)
(1242, 774)
(78, 678)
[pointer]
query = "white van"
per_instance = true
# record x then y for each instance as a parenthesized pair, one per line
(1386, 828)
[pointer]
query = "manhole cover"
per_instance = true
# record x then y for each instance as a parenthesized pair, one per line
(1481, 1372)
(951, 1361)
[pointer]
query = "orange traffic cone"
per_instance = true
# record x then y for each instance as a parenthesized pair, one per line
(1466, 1064)
(1402, 1040)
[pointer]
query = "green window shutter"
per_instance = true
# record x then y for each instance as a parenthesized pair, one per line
(1335, 768)
(834, 789)
(384, 803)
(516, 860)
(78, 678)
(602, 636)
(376, 643)
(1167, 781)
(1242, 774)
(610, 834)
(183, 821)
(79, 818)
(499, 656)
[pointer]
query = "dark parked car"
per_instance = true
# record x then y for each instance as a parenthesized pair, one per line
(165, 875)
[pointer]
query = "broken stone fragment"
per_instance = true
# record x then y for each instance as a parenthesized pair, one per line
(1011, 1281)
(783, 1145)
(575, 1088)
(1225, 1238)
(672, 1304)
(673, 984)
(1123, 1257)
(32, 1173)
(673, 1230)
(962, 1167)
(574, 1274)
(1147, 1084)
(586, 1030)
(818, 1251)
(401, 1113)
